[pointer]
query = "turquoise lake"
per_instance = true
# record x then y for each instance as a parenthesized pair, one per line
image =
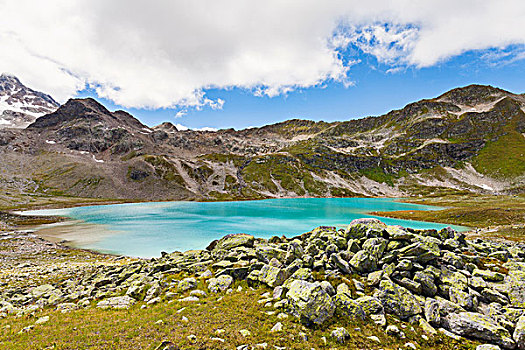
(146, 229)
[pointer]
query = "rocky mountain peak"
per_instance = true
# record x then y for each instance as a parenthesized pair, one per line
(20, 105)
(78, 111)
(472, 95)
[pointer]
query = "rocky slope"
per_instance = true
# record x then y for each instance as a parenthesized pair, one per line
(468, 139)
(20, 105)
(436, 280)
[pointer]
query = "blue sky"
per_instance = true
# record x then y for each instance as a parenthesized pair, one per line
(374, 91)
(238, 63)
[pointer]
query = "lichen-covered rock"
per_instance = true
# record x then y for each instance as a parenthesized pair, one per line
(453, 278)
(432, 312)
(489, 276)
(233, 241)
(478, 326)
(348, 307)
(220, 284)
(187, 284)
(363, 261)
(370, 305)
(359, 227)
(397, 300)
(463, 299)
(426, 280)
(341, 264)
(340, 335)
(310, 302)
(123, 302)
(272, 276)
(519, 333)
(375, 246)
(516, 282)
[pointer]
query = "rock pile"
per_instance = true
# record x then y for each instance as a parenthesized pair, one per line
(437, 279)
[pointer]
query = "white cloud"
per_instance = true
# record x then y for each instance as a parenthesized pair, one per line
(181, 127)
(181, 113)
(166, 53)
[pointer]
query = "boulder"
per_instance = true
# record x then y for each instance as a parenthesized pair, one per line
(516, 283)
(370, 305)
(272, 276)
(478, 326)
(187, 284)
(123, 302)
(519, 333)
(220, 284)
(363, 261)
(348, 307)
(489, 276)
(398, 300)
(432, 312)
(233, 241)
(360, 227)
(340, 335)
(310, 302)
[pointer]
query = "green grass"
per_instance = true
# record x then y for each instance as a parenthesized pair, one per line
(503, 158)
(138, 328)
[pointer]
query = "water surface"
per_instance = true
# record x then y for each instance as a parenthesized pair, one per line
(146, 229)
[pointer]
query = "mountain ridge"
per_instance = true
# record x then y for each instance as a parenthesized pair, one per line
(467, 139)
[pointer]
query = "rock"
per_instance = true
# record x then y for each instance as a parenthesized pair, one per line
(278, 292)
(363, 261)
(66, 307)
(374, 278)
(426, 327)
(136, 291)
(359, 227)
(426, 280)
(165, 345)
(394, 331)
(187, 284)
(245, 333)
(220, 284)
(340, 335)
(348, 307)
(516, 282)
(233, 241)
(478, 326)
(432, 312)
(370, 305)
(42, 320)
(519, 333)
(374, 338)
(487, 347)
(39, 291)
(454, 279)
(489, 276)
(397, 300)
(123, 302)
(341, 264)
(412, 286)
(278, 327)
(328, 288)
(310, 302)
(461, 298)
(272, 276)
(375, 246)
(189, 299)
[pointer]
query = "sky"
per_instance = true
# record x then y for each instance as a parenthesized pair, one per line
(221, 64)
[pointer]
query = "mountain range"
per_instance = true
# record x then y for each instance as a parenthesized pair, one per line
(469, 139)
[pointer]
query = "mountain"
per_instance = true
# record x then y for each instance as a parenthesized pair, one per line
(20, 105)
(469, 139)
